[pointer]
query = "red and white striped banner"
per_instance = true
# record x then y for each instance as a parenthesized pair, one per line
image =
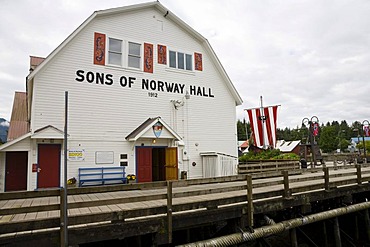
(366, 130)
(268, 120)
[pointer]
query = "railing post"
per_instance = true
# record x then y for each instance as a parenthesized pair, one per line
(250, 200)
(358, 171)
(326, 178)
(169, 211)
(287, 192)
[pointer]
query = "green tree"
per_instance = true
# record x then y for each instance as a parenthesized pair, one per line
(242, 128)
(343, 144)
(361, 147)
(328, 141)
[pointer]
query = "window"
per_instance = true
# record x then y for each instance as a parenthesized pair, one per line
(124, 53)
(115, 52)
(134, 55)
(189, 62)
(172, 59)
(181, 60)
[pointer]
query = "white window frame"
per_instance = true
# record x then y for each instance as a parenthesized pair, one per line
(127, 55)
(176, 59)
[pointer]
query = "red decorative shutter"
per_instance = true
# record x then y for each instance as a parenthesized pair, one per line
(148, 58)
(99, 48)
(162, 54)
(198, 61)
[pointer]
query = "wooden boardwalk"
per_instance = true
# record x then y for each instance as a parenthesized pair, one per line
(167, 206)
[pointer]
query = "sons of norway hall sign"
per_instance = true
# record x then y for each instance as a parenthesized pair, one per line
(146, 84)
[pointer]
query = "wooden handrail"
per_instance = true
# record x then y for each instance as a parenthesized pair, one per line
(285, 186)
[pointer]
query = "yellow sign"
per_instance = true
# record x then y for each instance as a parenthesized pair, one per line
(76, 155)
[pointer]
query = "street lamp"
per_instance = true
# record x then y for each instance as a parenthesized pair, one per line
(365, 130)
(313, 131)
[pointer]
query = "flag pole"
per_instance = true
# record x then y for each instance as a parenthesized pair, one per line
(246, 128)
(263, 124)
(64, 231)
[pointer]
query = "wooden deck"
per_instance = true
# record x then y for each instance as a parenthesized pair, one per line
(164, 207)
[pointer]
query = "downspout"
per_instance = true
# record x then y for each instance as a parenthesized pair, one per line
(268, 230)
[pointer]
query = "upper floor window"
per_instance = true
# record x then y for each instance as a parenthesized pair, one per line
(115, 52)
(134, 55)
(181, 60)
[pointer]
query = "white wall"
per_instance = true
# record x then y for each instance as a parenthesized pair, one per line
(101, 116)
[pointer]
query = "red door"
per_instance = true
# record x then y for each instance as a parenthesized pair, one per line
(144, 164)
(48, 174)
(16, 164)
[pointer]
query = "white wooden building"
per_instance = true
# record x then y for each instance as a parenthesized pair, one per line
(145, 91)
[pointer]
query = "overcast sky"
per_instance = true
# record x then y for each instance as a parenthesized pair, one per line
(312, 57)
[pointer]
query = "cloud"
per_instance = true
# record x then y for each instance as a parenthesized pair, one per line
(5, 124)
(309, 56)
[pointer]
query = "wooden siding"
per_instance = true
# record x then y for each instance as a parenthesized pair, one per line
(105, 114)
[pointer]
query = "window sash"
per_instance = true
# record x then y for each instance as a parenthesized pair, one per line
(172, 59)
(134, 55)
(180, 60)
(134, 49)
(115, 52)
(189, 62)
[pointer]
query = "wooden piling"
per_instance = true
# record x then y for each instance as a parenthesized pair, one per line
(338, 242)
(293, 237)
(357, 232)
(367, 224)
(326, 243)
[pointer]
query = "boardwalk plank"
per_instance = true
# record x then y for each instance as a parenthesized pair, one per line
(30, 216)
(203, 195)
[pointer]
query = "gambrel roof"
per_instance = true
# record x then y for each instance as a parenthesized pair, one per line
(169, 15)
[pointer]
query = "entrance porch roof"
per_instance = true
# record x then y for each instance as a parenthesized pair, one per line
(147, 130)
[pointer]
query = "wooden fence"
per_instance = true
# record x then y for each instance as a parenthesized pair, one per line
(41, 210)
(267, 166)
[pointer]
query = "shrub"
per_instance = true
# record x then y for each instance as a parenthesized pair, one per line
(274, 154)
